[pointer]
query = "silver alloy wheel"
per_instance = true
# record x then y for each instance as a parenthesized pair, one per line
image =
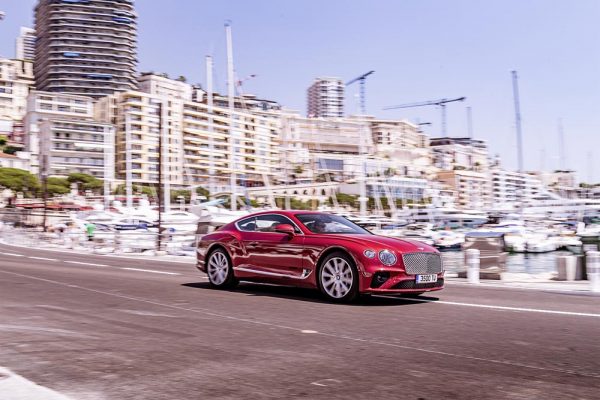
(337, 277)
(218, 268)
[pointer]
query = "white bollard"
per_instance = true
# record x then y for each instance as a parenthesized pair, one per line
(566, 267)
(472, 265)
(593, 270)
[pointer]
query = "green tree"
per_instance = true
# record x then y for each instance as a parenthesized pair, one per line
(57, 186)
(136, 189)
(11, 149)
(85, 181)
(3, 140)
(203, 192)
(186, 194)
(19, 180)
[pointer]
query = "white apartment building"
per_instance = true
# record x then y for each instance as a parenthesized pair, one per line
(558, 179)
(162, 86)
(208, 145)
(402, 143)
(68, 146)
(16, 80)
(25, 44)
(197, 144)
(465, 153)
(393, 187)
(244, 102)
(336, 146)
(509, 189)
(19, 160)
(43, 106)
(326, 98)
(472, 189)
(136, 116)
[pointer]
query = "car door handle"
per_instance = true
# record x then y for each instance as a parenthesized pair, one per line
(252, 243)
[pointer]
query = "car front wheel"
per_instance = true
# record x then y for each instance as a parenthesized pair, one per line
(338, 278)
(220, 270)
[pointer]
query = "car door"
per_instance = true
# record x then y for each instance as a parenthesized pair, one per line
(271, 252)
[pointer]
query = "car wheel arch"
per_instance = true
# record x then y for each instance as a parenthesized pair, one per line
(216, 246)
(335, 249)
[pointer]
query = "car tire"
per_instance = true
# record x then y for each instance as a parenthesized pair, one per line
(338, 278)
(219, 269)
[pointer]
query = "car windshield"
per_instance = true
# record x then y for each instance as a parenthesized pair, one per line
(327, 223)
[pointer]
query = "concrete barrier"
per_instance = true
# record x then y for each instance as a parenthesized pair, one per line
(472, 256)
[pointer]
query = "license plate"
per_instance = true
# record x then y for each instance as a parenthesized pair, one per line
(427, 278)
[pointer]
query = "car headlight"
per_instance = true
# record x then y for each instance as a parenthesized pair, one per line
(387, 257)
(369, 253)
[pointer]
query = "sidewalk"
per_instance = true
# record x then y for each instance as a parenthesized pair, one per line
(525, 281)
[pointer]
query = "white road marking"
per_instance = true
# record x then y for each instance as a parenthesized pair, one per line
(13, 254)
(495, 307)
(337, 336)
(42, 258)
(308, 331)
(17, 387)
(325, 382)
(86, 263)
(149, 270)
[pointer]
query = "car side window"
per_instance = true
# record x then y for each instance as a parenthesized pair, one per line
(267, 223)
(247, 225)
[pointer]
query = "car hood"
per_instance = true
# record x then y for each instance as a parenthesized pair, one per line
(376, 242)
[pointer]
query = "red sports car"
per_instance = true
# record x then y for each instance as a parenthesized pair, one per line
(317, 250)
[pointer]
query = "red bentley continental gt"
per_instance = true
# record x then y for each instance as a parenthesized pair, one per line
(317, 250)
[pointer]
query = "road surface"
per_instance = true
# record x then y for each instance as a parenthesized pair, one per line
(101, 327)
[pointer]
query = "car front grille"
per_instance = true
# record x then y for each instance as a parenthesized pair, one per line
(422, 263)
(415, 285)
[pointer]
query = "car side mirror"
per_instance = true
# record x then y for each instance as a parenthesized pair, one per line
(285, 228)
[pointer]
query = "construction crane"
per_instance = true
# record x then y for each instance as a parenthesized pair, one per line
(441, 103)
(361, 79)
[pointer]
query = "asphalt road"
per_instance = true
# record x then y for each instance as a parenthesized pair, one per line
(99, 327)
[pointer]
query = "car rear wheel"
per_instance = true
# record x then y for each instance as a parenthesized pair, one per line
(219, 270)
(338, 278)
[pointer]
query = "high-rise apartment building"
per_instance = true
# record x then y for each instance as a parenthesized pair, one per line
(85, 47)
(326, 98)
(25, 44)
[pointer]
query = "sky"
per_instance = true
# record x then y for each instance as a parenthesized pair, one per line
(420, 50)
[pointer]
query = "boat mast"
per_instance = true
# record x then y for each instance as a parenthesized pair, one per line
(232, 135)
(515, 81)
(160, 176)
(128, 173)
(109, 166)
(362, 180)
(164, 135)
(211, 144)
